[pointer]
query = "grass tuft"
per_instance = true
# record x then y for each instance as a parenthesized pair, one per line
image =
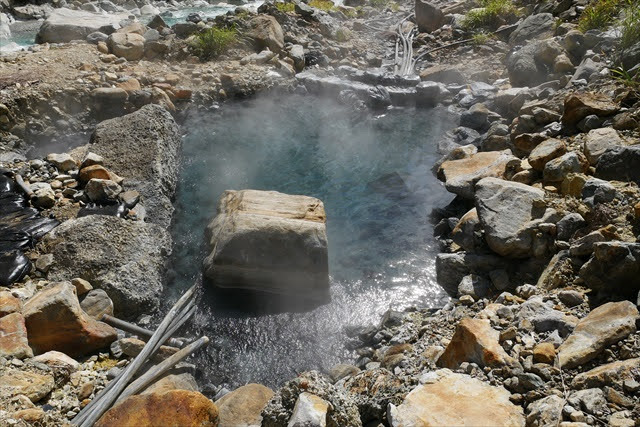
(325, 5)
(630, 25)
(285, 7)
(213, 42)
(490, 16)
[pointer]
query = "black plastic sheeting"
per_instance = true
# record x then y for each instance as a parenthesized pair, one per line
(21, 227)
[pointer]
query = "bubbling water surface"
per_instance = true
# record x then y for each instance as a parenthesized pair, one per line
(373, 173)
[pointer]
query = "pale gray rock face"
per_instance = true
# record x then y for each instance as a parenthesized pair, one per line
(597, 142)
(533, 27)
(143, 147)
(270, 242)
(64, 25)
(124, 258)
(505, 210)
(545, 412)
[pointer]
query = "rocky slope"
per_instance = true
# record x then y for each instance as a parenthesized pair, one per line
(540, 252)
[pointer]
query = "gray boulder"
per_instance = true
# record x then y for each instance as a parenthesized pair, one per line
(613, 267)
(505, 210)
(124, 258)
(598, 141)
(429, 17)
(545, 412)
(143, 148)
(557, 169)
(266, 32)
(65, 25)
(269, 242)
(533, 27)
(126, 45)
(620, 163)
(452, 268)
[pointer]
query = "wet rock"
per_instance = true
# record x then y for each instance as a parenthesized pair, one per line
(55, 321)
(577, 106)
(13, 337)
(143, 147)
(64, 25)
(613, 267)
(545, 412)
(429, 94)
(8, 304)
(429, 17)
(533, 27)
(266, 32)
(109, 101)
(270, 242)
(97, 303)
(557, 169)
(175, 407)
(452, 399)
(183, 381)
(310, 410)
(602, 327)
(460, 176)
(451, 268)
(620, 164)
(598, 141)
(505, 208)
(128, 262)
(474, 341)
(613, 373)
(244, 405)
(545, 152)
(475, 286)
(34, 386)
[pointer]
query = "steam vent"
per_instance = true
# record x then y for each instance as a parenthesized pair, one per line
(270, 242)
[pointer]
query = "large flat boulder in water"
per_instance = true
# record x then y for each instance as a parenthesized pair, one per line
(124, 258)
(65, 25)
(142, 147)
(269, 242)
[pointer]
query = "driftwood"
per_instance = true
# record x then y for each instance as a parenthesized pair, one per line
(179, 313)
(137, 330)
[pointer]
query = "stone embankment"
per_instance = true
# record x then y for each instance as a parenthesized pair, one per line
(540, 252)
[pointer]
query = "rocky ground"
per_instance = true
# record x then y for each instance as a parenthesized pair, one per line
(539, 249)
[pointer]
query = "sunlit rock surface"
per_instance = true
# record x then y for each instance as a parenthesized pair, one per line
(270, 242)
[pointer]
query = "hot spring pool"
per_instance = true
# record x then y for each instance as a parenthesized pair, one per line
(373, 173)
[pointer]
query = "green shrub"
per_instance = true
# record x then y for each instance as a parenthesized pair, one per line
(630, 25)
(480, 38)
(343, 34)
(600, 14)
(325, 5)
(490, 16)
(379, 4)
(285, 7)
(213, 42)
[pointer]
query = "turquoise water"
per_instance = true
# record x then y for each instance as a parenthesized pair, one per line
(381, 249)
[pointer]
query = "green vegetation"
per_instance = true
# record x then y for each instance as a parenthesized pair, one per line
(630, 25)
(213, 42)
(490, 16)
(625, 77)
(285, 7)
(480, 38)
(325, 5)
(343, 34)
(600, 14)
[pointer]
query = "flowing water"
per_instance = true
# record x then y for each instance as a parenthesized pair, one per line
(373, 173)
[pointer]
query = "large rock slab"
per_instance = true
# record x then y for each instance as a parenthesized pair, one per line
(55, 321)
(620, 163)
(64, 25)
(604, 326)
(243, 406)
(533, 27)
(460, 176)
(124, 258)
(474, 341)
(143, 148)
(13, 337)
(456, 400)
(34, 386)
(607, 375)
(269, 242)
(173, 408)
(505, 209)
(266, 32)
(577, 106)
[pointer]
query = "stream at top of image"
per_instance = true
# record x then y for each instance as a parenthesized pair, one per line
(373, 171)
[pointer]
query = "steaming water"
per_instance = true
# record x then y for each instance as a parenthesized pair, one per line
(180, 15)
(381, 250)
